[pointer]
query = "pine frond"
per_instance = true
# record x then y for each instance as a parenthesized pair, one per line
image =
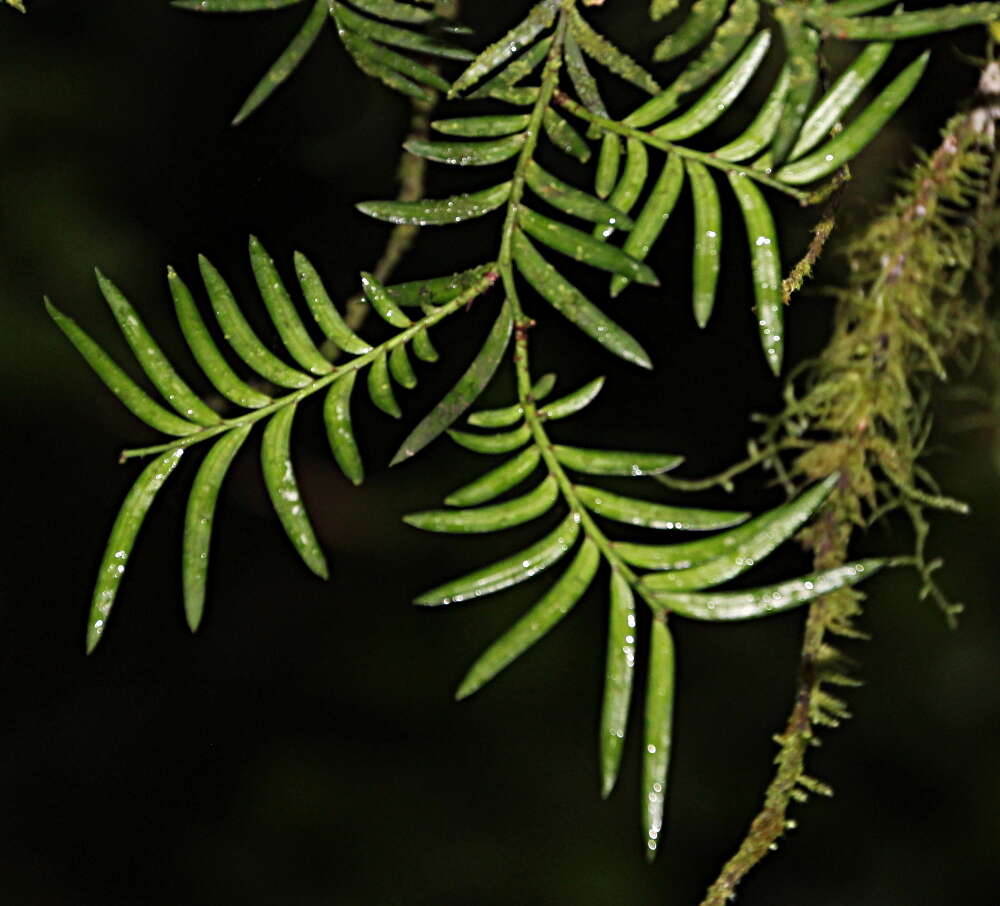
(271, 395)
(381, 36)
(678, 582)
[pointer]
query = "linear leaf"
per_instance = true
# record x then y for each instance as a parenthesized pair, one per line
(393, 35)
(283, 489)
(438, 211)
(483, 126)
(649, 514)
(492, 444)
(423, 349)
(552, 607)
(200, 518)
(618, 671)
(653, 217)
(720, 97)
(232, 6)
(757, 136)
(285, 318)
(844, 91)
(371, 58)
(841, 148)
(727, 41)
(608, 55)
(660, 684)
(512, 570)
(583, 247)
(904, 25)
(135, 399)
(324, 311)
(380, 387)
(757, 538)
(608, 159)
(704, 16)
(241, 336)
(465, 392)
(516, 39)
(765, 259)
(401, 368)
(580, 75)
(339, 429)
(762, 602)
(573, 201)
(467, 154)
(286, 64)
(509, 415)
(564, 136)
(396, 11)
(505, 80)
(572, 304)
(384, 304)
(491, 518)
(802, 53)
(438, 290)
(122, 539)
(572, 402)
(631, 184)
(497, 481)
(206, 353)
(615, 462)
(151, 359)
(707, 240)
(383, 56)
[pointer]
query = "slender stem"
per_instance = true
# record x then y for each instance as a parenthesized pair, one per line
(523, 324)
(356, 364)
(654, 141)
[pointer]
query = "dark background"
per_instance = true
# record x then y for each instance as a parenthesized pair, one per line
(304, 748)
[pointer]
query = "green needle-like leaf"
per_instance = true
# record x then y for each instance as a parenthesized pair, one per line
(200, 518)
(765, 258)
(570, 302)
(660, 684)
(707, 239)
(465, 392)
(553, 606)
(704, 16)
(615, 462)
(840, 149)
(505, 442)
(509, 415)
(286, 64)
(515, 40)
(232, 6)
(573, 201)
(762, 602)
(467, 154)
(510, 571)
(572, 402)
(438, 211)
(122, 539)
(283, 489)
(384, 304)
(497, 481)
(135, 399)
(483, 126)
(393, 35)
(583, 247)
(618, 671)
(150, 357)
(323, 310)
(608, 55)
(648, 514)
(206, 353)
(280, 307)
(396, 11)
(491, 518)
(380, 387)
(340, 431)
(754, 541)
(241, 336)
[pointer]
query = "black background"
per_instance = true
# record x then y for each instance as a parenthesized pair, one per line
(304, 748)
